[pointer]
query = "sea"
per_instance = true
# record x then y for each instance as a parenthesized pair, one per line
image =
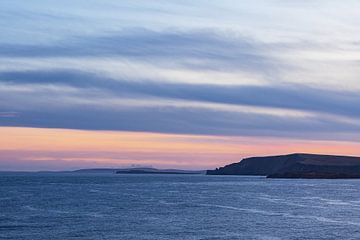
(60, 206)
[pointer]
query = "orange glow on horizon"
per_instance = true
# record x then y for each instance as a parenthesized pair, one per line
(118, 148)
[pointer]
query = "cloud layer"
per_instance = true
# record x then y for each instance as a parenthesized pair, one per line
(248, 73)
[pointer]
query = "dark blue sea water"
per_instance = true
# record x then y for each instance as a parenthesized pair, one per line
(90, 206)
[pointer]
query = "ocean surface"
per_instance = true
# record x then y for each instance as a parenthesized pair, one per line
(109, 206)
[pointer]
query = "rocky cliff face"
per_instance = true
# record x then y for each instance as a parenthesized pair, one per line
(294, 166)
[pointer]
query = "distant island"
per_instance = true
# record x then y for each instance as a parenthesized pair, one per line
(134, 170)
(138, 171)
(297, 165)
(156, 171)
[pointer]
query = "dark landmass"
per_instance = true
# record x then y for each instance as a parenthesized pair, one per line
(96, 170)
(90, 170)
(156, 171)
(138, 171)
(118, 171)
(298, 165)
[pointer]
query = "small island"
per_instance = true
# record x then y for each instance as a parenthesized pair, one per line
(297, 165)
(156, 171)
(137, 170)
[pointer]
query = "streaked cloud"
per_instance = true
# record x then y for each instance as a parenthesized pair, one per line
(49, 99)
(8, 114)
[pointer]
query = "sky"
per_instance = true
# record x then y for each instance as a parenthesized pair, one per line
(176, 84)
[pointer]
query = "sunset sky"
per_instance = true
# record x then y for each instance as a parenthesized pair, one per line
(176, 84)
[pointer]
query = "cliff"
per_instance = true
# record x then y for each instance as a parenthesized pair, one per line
(294, 166)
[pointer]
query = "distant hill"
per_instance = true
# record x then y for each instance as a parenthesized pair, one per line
(138, 171)
(298, 165)
(96, 170)
(156, 171)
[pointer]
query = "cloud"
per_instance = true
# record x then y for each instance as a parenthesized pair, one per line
(201, 49)
(8, 114)
(290, 96)
(175, 118)
(201, 81)
(79, 100)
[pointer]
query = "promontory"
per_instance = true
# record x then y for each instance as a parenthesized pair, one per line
(297, 165)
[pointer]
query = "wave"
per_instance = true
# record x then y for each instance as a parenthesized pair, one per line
(250, 210)
(289, 202)
(334, 201)
(30, 208)
(288, 215)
